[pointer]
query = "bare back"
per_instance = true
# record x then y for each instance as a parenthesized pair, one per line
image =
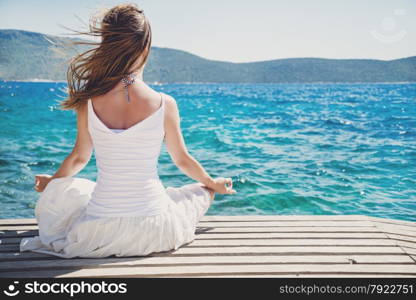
(116, 113)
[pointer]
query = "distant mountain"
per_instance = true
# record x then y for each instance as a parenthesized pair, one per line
(28, 55)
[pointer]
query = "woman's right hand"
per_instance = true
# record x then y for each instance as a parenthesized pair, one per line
(222, 185)
(41, 181)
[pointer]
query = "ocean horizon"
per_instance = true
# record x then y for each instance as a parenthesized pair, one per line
(34, 80)
(291, 148)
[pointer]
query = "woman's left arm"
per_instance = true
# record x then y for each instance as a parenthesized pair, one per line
(77, 159)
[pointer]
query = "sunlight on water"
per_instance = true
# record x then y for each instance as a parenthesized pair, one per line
(291, 149)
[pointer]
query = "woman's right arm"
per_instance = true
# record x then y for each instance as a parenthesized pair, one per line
(176, 147)
(77, 159)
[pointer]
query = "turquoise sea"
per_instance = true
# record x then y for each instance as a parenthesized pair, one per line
(290, 148)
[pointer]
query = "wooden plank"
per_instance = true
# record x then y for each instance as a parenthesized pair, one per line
(295, 242)
(392, 221)
(265, 230)
(289, 224)
(242, 246)
(202, 230)
(242, 218)
(291, 235)
(258, 218)
(9, 248)
(201, 260)
(12, 256)
(25, 233)
(245, 218)
(356, 275)
(17, 227)
(340, 269)
(272, 242)
(17, 222)
(289, 250)
(405, 244)
(18, 233)
(395, 227)
(394, 230)
(7, 241)
(266, 236)
(410, 251)
(286, 229)
(295, 224)
(247, 251)
(401, 237)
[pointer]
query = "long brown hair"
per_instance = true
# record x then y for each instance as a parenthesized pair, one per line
(125, 34)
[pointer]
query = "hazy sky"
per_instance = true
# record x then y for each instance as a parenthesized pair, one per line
(242, 30)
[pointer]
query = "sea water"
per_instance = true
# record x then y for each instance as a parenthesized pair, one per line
(290, 148)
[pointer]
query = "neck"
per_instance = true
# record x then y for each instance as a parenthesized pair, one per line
(138, 75)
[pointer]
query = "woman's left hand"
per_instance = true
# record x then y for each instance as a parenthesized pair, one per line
(41, 181)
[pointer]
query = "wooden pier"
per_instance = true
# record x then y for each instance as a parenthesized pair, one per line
(242, 246)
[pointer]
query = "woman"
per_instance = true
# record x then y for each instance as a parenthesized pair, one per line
(128, 211)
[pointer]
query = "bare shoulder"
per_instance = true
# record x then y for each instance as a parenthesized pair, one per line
(82, 115)
(170, 103)
(82, 109)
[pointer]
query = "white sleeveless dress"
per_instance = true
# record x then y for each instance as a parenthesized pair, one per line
(127, 211)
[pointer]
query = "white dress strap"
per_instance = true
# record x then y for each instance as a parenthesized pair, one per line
(162, 99)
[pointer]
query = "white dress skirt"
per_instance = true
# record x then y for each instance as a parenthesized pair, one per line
(127, 211)
(65, 230)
